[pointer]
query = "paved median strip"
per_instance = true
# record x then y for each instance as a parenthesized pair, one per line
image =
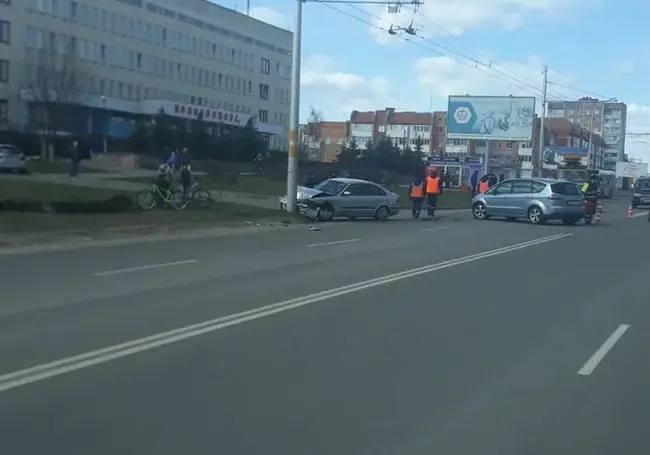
(100, 356)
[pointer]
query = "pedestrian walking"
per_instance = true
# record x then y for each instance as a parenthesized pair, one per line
(416, 193)
(433, 189)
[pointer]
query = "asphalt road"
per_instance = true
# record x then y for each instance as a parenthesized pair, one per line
(405, 338)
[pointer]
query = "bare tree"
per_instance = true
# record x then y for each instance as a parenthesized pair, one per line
(314, 118)
(54, 76)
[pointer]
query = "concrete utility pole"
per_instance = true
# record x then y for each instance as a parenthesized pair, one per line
(540, 158)
(294, 140)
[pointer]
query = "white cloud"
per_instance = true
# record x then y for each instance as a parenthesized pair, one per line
(443, 76)
(436, 18)
(638, 123)
(336, 92)
(271, 16)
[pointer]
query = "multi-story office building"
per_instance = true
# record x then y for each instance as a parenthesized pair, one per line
(604, 118)
(191, 58)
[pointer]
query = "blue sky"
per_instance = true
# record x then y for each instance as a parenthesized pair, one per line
(589, 47)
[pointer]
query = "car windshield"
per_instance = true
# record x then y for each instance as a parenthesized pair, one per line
(331, 186)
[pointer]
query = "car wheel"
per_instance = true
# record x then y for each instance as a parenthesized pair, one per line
(382, 213)
(535, 215)
(479, 210)
(569, 221)
(325, 213)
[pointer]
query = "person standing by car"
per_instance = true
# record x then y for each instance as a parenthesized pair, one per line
(417, 196)
(484, 184)
(311, 181)
(75, 158)
(473, 181)
(591, 191)
(433, 189)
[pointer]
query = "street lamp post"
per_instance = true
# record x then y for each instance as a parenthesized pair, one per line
(294, 144)
(294, 140)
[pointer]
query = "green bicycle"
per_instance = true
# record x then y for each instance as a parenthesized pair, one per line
(175, 199)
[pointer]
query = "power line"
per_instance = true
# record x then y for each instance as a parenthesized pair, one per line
(597, 95)
(466, 58)
(491, 68)
(469, 62)
(459, 57)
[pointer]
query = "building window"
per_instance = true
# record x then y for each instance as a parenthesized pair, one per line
(264, 91)
(266, 66)
(263, 116)
(5, 32)
(4, 70)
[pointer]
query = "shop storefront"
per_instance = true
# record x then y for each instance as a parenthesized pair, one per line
(449, 168)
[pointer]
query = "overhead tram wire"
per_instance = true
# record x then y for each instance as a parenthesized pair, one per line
(493, 64)
(474, 63)
(465, 58)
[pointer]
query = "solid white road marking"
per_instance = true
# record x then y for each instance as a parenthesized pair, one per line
(144, 267)
(600, 354)
(336, 242)
(636, 215)
(70, 364)
(439, 228)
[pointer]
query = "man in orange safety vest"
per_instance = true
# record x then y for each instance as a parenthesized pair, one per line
(433, 189)
(417, 196)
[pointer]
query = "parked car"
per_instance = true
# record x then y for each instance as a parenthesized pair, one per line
(537, 200)
(641, 196)
(12, 159)
(348, 198)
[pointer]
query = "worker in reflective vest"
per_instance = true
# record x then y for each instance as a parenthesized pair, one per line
(433, 189)
(417, 197)
(484, 184)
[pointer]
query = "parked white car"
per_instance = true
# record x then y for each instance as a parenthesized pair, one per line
(12, 159)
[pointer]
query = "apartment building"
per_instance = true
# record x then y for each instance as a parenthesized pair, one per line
(323, 140)
(438, 132)
(191, 58)
(560, 132)
(605, 118)
(403, 128)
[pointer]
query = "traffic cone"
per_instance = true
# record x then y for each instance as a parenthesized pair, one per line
(629, 212)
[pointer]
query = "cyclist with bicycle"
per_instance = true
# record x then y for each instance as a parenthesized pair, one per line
(186, 177)
(164, 178)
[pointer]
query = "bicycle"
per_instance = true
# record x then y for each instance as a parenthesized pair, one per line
(198, 196)
(174, 198)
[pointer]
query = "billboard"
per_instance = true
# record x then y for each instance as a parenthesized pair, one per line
(633, 170)
(491, 118)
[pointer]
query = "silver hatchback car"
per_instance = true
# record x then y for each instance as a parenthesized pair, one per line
(538, 200)
(348, 198)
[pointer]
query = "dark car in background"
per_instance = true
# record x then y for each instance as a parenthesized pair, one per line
(641, 196)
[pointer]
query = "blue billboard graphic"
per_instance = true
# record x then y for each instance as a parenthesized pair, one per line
(491, 118)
